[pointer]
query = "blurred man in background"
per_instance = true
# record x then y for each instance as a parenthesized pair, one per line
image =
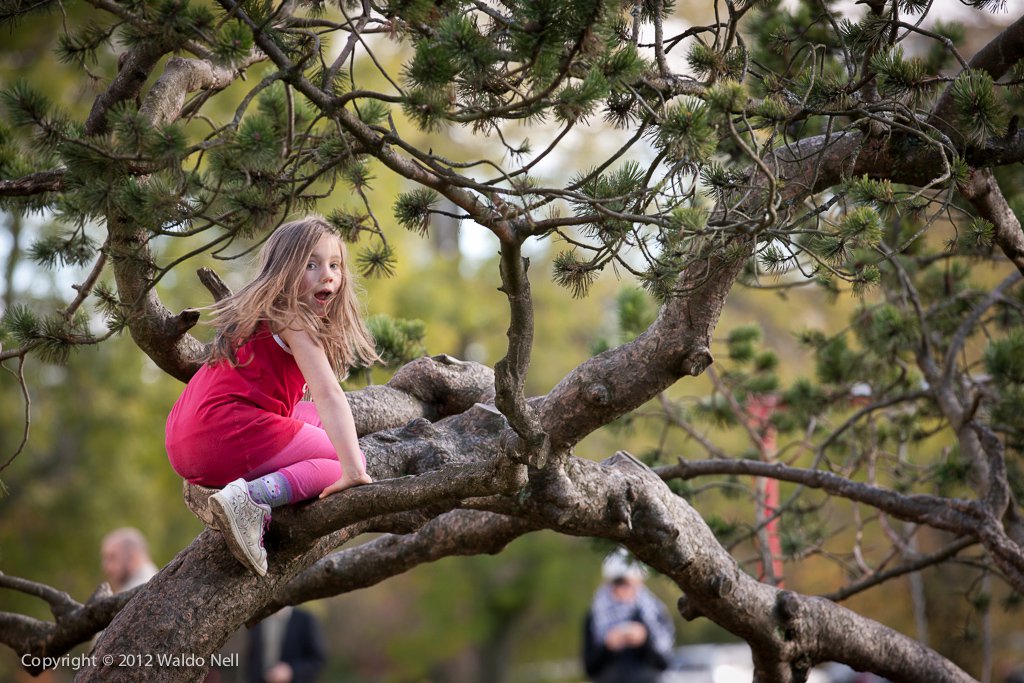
(124, 557)
(628, 634)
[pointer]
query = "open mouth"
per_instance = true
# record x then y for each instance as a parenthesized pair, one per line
(323, 297)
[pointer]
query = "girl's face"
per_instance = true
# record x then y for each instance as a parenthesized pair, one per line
(321, 280)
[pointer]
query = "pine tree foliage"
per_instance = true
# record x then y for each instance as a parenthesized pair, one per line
(398, 340)
(635, 312)
(575, 275)
(82, 46)
(901, 77)
(981, 112)
(413, 209)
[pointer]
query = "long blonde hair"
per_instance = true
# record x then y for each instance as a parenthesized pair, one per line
(273, 297)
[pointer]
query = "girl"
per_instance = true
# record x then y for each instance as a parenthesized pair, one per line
(241, 424)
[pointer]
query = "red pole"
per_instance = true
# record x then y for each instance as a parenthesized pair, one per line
(760, 408)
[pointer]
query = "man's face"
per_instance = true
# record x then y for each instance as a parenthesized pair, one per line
(624, 589)
(114, 561)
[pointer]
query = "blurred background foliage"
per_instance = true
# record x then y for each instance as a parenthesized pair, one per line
(95, 457)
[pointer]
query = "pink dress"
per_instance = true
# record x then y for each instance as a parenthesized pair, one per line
(232, 419)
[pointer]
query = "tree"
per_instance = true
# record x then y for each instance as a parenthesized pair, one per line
(864, 155)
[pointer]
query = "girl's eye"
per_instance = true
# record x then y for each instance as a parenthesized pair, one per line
(310, 266)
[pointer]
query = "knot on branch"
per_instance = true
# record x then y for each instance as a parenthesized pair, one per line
(688, 610)
(696, 362)
(102, 592)
(722, 585)
(597, 393)
(418, 427)
(978, 184)
(184, 321)
(787, 610)
(509, 477)
(533, 451)
(619, 513)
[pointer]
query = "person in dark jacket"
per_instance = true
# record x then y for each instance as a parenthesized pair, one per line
(286, 647)
(628, 635)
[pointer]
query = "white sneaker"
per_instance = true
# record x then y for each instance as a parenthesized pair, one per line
(242, 522)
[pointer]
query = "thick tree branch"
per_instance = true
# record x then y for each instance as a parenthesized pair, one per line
(622, 379)
(35, 183)
(451, 484)
(182, 76)
(958, 516)
(526, 442)
(134, 68)
(60, 602)
(676, 344)
(429, 387)
(459, 532)
(203, 595)
(71, 627)
(159, 333)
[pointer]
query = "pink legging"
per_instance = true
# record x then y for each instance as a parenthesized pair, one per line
(309, 461)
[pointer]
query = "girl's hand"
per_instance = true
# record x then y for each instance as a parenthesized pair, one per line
(347, 482)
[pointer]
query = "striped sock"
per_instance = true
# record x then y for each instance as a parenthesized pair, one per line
(272, 489)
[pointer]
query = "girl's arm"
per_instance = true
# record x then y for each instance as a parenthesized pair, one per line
(332, 406)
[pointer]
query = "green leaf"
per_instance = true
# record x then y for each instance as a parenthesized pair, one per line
(257, 145)
(726, 97)
(577, 101)
(774, 260)
(836, 363)
(377, 261)
(22, 323)
(347, 225)
(81, 47)
(575, 275)
(876, 193)
(372, 112)
(427, 107)
(414, 209)
(74, 249)
(433, 65)
(234, 42)
(981, 233)
(773, 108)
(980, 111)
(898, 76)
(705, 60)
(861, 227)
(622, 66)
(685, 132)
(741, 343)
